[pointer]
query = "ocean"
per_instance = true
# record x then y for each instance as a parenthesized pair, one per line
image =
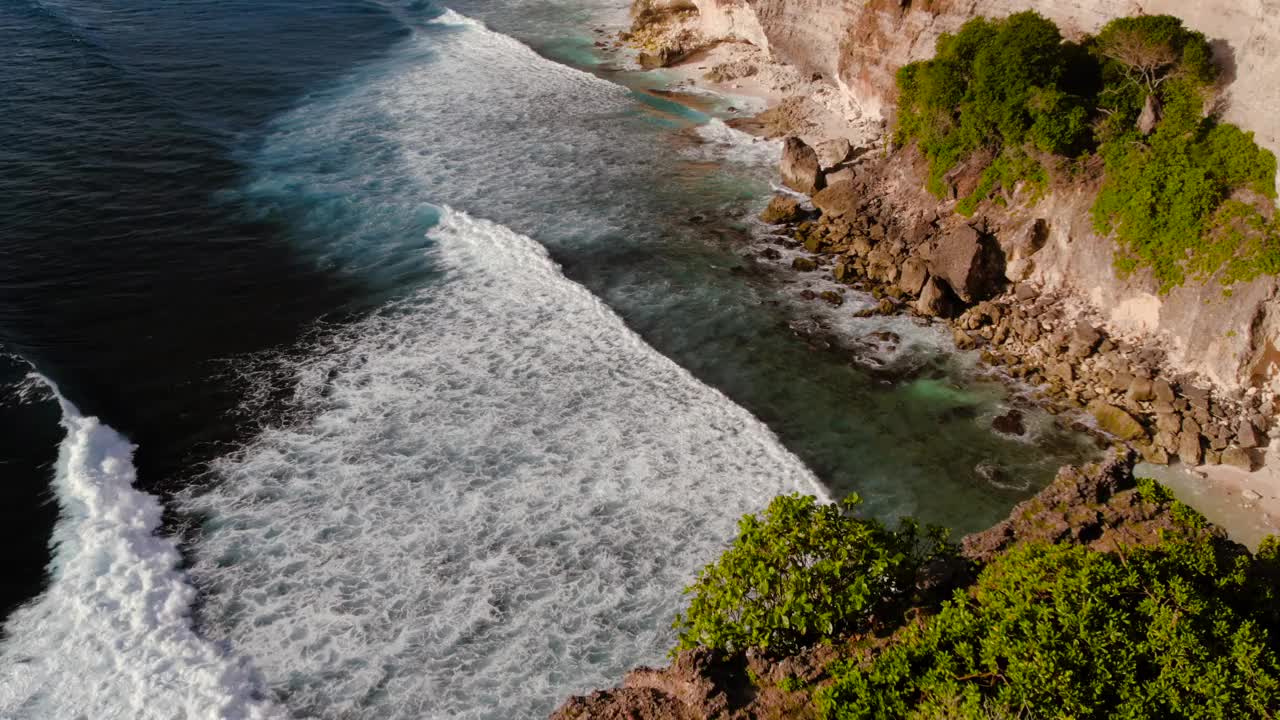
(382, 359)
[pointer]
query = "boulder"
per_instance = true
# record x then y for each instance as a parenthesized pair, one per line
(936, 299)
(804, 264)
(963, 340)
(832, 297)
(1163, 391)
(1140, 390)
(839, 199)
(800, 169)
(1247, 436)
(782, 209)
(1190, 450)
(1084, 340)
(972, 264)
(1117, 422)
(833, 152)
(914, 274)
(842, 175)
(1239, 458)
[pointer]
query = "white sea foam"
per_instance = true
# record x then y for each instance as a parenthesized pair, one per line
(497, 495)
(112, 636)
(725, 143)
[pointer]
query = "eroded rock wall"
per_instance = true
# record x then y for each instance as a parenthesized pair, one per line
(1233, 339)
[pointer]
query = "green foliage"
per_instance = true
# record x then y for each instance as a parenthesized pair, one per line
(994, 84)
(1012, 87)
(800, 573)
(1186, 629)
(1005, 173)
(1164, 198)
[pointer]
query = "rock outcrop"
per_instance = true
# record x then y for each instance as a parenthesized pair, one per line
(1099, 506)
(1234, 341)
(800, 168)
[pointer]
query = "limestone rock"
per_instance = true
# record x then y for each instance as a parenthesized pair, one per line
(800, 169)
(839, 199)
(1238, 457)
(1163, 391)
(1084, 340)
(1247, 436)
(913, 276)
(782, 209)
(1189, 448)
(936, 299)
(1140, 390)
(833, 152)
(971, 264)
(1117, 422)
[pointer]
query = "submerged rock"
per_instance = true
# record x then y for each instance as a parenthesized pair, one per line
(1010, 423)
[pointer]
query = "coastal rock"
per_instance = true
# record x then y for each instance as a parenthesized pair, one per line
(970, 263)
(800, 169)
(804, 264)
(914, 273)
(833, 152)
(1190, 450)
(1238, 457)
(1093, 506)
(936, 299)
(1117, 422)
(1010, 423)
(782, 209)
(839, 199)
(1247, 436)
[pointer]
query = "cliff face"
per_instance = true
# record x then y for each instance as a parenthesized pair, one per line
(859, 44)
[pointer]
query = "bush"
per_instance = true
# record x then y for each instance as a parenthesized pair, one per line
(1163, 199)
(1186, 629)
(994, 84)
(801, 573)
(1012, 87)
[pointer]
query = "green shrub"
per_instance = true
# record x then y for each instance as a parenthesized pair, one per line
(1186, 629)
(1164, 199)
(993, 84)
(1012, 87)
(800, 573)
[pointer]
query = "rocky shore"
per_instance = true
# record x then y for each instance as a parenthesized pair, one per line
(1010, 281)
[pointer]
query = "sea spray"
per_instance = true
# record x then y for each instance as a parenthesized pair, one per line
(112, 637)
(493, 498)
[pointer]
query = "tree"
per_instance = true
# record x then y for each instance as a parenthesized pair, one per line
(1148, 51)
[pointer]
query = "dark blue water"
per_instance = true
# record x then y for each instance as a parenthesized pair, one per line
(123, 275)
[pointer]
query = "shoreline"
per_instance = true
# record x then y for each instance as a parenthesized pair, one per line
(1245, 503)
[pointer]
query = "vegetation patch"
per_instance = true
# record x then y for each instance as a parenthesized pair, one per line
(800, 573)
(1184, 194)
(1184, 628)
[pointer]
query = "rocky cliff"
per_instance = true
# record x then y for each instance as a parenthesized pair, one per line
(1233, 340)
